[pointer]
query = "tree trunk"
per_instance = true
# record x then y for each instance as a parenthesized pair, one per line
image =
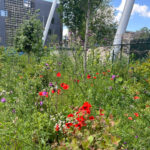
(86, 36)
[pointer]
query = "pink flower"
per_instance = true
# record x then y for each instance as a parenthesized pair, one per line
(3, 100)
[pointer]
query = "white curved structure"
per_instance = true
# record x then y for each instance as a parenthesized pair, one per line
(49, 20)
(122, 28)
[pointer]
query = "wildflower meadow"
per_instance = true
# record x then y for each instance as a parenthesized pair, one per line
(54, 104)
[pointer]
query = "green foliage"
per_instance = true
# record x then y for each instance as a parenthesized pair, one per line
(141, 49)
(27, 124)
(144, 33)
(101, 23)
(29, 36)
(73, 15)
(96, 134)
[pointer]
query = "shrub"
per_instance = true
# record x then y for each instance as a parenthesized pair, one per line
(29, 36)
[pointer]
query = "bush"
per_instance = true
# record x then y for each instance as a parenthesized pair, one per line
(29, 36)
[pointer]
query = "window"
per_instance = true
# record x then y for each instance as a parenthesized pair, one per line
(49, 32)
(3, 13)
(27, 3)
(53, 20)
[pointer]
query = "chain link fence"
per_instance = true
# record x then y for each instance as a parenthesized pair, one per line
(130, 50)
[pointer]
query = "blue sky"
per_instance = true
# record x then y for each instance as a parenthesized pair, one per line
(140, 15)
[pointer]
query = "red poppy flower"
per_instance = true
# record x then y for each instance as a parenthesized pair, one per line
(68, 125)
(88, 76)
(70, 115)
(136, 97)
(78, 125)
(53, 91)
(101, 110)
(101, 114)
(94, 77)
(58, 74)
(130, 118)
(58, 91)
(81, 119)
(97, 73)
(41, 76)
(62, 84)
(76, 80)
(87, 104)
(66, 87)
(136, 114)
(108, 70)
(41, 93)
(57, 127)
(85, 109)
(91, 118)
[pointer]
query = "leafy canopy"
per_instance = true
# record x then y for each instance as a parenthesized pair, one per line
(29, 36)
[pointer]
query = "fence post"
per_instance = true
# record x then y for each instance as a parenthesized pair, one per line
(121, 51)
(113, 56)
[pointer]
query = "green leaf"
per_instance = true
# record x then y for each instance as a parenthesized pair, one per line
(90, 139)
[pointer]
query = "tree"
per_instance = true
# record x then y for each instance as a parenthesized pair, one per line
(73, 15)
(140, 44)
(29, 36)
(143, 33)
(79, 16)
(103, 25)
(101, 17)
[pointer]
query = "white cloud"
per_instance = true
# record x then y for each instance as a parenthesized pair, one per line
(141, 10)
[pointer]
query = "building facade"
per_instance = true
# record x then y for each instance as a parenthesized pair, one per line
(56, 25)
(13, 12)
(3, 14)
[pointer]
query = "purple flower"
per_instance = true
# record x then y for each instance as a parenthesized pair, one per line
(13, 110)
(136, 136)
(125, 142)
(110, 88)
(3, 100)
(41, 103)
(59, 63)
(46, 64)
(113, 77)
(44, 93)
(51, 84)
